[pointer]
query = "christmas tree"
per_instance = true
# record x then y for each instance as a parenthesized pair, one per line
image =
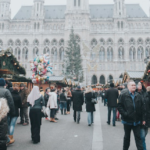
(73, 64)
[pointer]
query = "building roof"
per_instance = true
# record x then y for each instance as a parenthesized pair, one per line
(96, 11)
(56, 78)
(135, 74)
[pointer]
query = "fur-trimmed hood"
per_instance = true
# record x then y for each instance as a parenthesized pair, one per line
(4, 109)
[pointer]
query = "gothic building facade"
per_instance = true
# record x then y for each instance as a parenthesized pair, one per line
(113, 38)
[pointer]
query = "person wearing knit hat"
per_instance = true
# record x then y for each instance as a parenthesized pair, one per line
(2, 82)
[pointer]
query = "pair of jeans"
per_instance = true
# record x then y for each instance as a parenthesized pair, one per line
(136, 131)
(24, 115)
(114, 114)
(143, 133)
(53, 113)
(90, 118)
(63, 105)
(77, 116)
(11, 124)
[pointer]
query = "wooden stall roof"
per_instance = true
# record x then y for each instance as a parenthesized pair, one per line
(134, 75)
(9, 64)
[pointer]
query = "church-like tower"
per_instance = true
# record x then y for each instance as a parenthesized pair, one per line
(119, 9)
(38, 9)
(5, 13)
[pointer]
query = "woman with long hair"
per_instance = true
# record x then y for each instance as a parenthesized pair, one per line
(90, 106)
(36, 102)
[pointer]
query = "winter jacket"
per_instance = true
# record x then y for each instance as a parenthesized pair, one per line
(63, 97)
(78, 100)
(17, 102)
(24, 94)
(112, 95)
(127, 110)
(46, 97)
(90, 107)
(52, 101)
(4, 109)
(146, 100)
(4, 93)
(39, 103)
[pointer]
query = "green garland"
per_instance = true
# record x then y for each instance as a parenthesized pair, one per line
(8, 61)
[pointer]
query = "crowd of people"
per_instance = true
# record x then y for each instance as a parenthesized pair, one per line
(130, 104)
(16, 101)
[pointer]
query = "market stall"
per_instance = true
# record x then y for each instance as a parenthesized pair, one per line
(11, 70)
(132, 75)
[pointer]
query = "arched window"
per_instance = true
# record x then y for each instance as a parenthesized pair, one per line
(118, 24)
(102, 41)
(140, 53)
(35, 52)
(94, 79)
(61, 54)
(25, 42)
(25, 53)
(38, 26)
(109, 42)
(93, 42)
(74, 2)
(34, 26)
(35, 42)
(1, 42)
(54, 54)
(10, 43)
(140, 41)
(102, 54)
(121, 42)
(110, 79)
(147, 42)
(110, 54)
(46, 42)
(132, 41)
(121, 53)
(18, 43)
(102, 79)
(46, 51)
(93, 55)
(132, 53)
(61, 42)
(17, 53)
(54, 42)
(78, 2)
(147, 51)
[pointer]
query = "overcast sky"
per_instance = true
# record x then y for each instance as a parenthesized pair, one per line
(16, 4)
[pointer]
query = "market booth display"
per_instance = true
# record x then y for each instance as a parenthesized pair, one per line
(11, 70)
(132, 75)
(146, 76)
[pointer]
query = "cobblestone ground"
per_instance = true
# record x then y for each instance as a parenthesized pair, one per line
(67, 135)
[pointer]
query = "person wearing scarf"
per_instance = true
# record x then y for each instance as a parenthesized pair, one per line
(36, 102)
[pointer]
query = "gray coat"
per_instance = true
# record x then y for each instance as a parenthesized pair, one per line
(7, 95)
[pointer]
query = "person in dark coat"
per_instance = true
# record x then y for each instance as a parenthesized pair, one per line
(90, 106)
(112, 95)
(5, 93)
(13, 118)
(63, 102)
(24, 118)
(132, 110)
(78, 100)
(146, 100)
(36, 103)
